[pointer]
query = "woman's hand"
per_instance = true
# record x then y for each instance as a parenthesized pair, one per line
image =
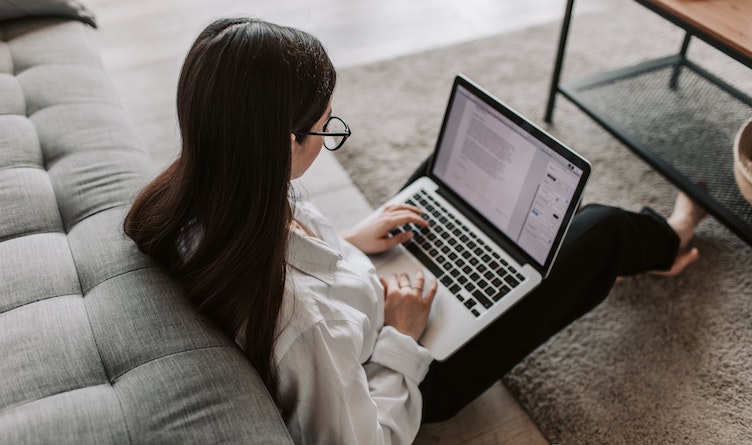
(373, 236)
(405, 306)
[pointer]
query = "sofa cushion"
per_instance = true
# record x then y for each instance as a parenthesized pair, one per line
(25, 259)
(13, 100)
(13, 9)
(29, 203)
(61, 414)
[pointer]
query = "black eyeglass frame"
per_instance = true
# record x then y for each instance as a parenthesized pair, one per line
(344, 135)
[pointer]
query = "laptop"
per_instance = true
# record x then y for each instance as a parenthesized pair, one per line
(499, 198)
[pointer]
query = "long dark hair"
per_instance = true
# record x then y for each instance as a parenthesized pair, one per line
(217, 219)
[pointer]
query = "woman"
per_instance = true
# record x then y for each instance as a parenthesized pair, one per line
(335, 344)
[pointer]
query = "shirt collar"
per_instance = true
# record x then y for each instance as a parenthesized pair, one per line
(312, 256)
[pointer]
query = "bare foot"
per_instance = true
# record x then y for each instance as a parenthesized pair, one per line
(684, 220)
(683, 259)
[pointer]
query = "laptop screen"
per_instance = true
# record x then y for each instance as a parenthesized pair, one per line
(498, 163)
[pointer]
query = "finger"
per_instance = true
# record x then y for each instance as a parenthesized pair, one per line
(413, 209)
(401, 237)
(402, 218)
(388, 243)
(393, 283)
(420, 280)
(431, 293)
(404, 280)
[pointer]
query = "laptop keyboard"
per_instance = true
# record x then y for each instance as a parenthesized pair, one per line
(472, 271)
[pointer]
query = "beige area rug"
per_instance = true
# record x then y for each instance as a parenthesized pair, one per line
(662, 361)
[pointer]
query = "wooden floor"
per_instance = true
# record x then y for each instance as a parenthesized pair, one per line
(143, 43)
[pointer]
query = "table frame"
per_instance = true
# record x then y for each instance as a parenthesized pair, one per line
(738, 48)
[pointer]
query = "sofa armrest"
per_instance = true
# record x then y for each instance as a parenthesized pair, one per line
(14, 9)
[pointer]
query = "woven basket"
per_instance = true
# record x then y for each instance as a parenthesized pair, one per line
(743, 160)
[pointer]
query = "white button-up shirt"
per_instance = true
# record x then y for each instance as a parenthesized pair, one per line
(344, 377)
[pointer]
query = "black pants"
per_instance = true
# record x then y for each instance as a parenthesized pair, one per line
(602, 243)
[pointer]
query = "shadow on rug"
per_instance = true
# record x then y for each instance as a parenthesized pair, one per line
(662, 360)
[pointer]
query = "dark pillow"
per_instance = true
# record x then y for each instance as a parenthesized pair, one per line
(13, 9)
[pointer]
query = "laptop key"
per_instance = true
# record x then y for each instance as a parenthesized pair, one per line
(478, 294)
(500, 293)
(446, 280)
(425, 259)
(512, 281)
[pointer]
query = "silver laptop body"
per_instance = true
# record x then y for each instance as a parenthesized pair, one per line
(499, 199)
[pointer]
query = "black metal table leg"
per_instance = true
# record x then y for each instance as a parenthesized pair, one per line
(683, 54)
(559, 62)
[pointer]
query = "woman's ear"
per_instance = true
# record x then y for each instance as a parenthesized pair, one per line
(294, 142)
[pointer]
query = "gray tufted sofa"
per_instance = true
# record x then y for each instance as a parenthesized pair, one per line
(96, 344)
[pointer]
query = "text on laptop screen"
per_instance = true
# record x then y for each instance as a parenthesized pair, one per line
(514, 180)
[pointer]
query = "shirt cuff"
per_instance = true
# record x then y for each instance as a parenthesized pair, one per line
(401, 353)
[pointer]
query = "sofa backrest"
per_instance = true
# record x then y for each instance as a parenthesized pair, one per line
(96, 344)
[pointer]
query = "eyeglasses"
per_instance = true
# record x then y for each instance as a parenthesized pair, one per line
(335, 133)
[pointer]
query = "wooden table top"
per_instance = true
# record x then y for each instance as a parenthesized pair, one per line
(727, 21)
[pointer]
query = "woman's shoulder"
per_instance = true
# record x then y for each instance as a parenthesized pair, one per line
(306, 212)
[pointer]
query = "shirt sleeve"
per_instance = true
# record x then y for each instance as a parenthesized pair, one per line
(333, 398)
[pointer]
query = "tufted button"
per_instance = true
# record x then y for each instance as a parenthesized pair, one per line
(19, 144)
